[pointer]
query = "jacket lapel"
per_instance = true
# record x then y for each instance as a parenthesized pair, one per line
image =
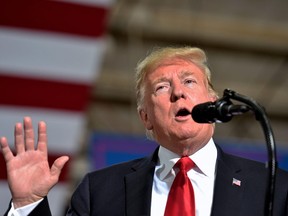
(138, 187)
(229, 187)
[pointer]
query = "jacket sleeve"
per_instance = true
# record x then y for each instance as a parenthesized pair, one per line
(42, 209)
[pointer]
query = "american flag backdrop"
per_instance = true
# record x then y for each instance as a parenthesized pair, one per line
(50, 54)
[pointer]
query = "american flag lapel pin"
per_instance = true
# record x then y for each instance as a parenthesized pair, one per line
(236, 182)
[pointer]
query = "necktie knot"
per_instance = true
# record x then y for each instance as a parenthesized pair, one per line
(185, 164)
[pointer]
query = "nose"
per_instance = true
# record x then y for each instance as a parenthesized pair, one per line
(177, 92)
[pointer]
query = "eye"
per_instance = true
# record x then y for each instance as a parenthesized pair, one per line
(162, 87)
(189, 81)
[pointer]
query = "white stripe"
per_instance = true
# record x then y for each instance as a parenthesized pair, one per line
(64, 128)
(48, 55)
(99, 3)
(5, 196)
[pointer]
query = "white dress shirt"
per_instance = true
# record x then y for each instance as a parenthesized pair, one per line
(202, 177)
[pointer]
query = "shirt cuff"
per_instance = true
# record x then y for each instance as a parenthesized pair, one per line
(24, 210)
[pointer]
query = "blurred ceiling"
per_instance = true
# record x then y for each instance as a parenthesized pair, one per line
(246, 43)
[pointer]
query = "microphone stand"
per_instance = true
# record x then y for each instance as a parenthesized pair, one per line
(261, 116)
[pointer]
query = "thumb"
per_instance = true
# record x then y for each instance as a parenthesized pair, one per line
(58, 165)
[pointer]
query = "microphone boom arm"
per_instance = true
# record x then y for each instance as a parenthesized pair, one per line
(261, 116)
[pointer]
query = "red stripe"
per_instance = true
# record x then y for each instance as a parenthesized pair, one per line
(51, 158)
(40, 93)
(54, 16)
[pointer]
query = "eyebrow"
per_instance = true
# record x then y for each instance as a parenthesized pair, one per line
(185, 74)
(159, 80)
(182, 75)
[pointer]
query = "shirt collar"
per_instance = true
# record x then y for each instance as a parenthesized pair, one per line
(205, 159)
(168, 159)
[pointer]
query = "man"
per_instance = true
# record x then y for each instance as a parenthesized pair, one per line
(169, 83)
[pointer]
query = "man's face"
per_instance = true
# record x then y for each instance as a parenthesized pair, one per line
(172, 90)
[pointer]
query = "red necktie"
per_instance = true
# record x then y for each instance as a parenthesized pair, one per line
(181, 196)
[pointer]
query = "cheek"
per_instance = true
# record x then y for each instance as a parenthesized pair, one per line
(160, 107)
(157, 111)
(200, 96)
(157, 105)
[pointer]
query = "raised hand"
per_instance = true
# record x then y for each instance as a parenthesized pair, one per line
(29, 175)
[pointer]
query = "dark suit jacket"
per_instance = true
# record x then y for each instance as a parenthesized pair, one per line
(125, 189)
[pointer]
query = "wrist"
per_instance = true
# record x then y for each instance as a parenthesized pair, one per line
(18, 203)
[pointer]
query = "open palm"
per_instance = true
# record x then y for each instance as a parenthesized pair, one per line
(29, 175)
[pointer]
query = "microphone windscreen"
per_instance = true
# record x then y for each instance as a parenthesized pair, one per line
(204, 112)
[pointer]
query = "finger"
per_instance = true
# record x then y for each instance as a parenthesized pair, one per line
(42, 137)
(6, 151)
(58, 165)
(18, 138)
(28, 133)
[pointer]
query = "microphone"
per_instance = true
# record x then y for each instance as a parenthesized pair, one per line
(220, 111)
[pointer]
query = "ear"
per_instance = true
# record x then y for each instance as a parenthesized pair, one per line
(213, 97)
(145, 119)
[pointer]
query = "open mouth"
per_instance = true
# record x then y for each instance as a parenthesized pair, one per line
(183, 112)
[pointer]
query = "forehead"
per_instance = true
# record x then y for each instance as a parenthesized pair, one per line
(180, 67)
